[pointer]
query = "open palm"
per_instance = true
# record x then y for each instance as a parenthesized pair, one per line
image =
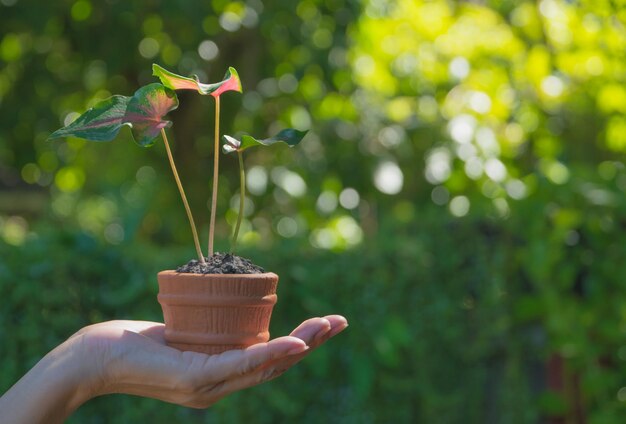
(133, 358)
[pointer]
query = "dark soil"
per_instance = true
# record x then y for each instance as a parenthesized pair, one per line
(221, 263)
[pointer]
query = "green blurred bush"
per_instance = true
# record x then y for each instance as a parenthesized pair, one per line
(446, 325)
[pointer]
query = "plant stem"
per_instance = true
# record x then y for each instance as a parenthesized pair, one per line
(182, 195)
(216, 163)
(242, 198)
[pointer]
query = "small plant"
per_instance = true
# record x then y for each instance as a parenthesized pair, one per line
(144, 113)
(235, 310)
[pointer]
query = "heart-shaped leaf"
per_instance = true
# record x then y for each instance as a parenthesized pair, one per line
(174, 81)
(145, 112)
(288, 136)
(100, 123)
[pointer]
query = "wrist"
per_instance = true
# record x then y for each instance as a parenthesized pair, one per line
(55, 387)
(80, 366)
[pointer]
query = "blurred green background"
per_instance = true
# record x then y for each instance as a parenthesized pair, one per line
(459, 198)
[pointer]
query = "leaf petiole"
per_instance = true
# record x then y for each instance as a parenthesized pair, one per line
(216, 163)
(182, 195)
(242, 199)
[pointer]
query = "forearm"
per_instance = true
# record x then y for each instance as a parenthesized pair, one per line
(51, 390)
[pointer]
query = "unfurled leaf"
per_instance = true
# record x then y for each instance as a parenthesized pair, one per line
(145, 112)
(171, 80)
(100, 123)
(288, 136)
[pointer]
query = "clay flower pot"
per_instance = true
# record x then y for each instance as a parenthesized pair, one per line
(212, 313)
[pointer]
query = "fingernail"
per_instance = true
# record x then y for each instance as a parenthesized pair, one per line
(297, 350)
(339, 329)
(320, 335)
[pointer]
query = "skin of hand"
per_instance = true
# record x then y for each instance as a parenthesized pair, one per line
(131, 357)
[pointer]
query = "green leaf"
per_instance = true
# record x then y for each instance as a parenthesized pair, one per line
(146, 110)
(100, 123)
(174, 81)
(288, 136)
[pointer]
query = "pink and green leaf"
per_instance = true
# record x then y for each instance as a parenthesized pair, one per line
(231, 82)
(288, 136)
(146, 110)
(100, 123)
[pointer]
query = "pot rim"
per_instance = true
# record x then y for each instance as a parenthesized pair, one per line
(224, 276)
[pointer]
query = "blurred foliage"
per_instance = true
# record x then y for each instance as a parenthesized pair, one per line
(464, 164)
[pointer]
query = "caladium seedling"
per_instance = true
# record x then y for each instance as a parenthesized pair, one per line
(230, 82)
(144, 112)
(288, 136)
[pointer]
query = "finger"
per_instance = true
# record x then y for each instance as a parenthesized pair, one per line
(313, 337)
(315, 331)
(261, 375)
(238, 369)
(266, 366)
(203, 376)
(235, 363)
(188, 375)
(311, 329)
(338, 324)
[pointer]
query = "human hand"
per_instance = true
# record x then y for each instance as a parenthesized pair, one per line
(134, 359)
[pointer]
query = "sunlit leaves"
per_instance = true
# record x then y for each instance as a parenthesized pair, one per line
(288, 136)
(612, 98)
(475, 63)
(146, 110)
(616, 134)
(100, 123)
(230, 82)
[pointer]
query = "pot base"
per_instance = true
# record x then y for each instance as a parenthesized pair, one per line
(209, 350)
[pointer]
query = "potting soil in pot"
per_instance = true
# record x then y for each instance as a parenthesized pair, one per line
(221, 263)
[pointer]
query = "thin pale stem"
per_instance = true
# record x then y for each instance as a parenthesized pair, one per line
(242, 198)
(216, 163)
(182, 195)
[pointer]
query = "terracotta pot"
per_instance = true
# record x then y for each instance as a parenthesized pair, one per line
(212, 313)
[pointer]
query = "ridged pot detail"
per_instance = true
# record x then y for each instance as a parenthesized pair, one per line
(213, 313)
